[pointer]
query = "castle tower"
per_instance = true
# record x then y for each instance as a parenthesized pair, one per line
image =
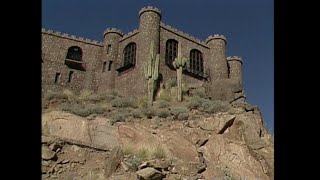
(217, 65)
(235, 68)
(109, 57)
(149, 30)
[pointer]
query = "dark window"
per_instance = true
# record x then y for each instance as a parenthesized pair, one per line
(104, 66)
(129, 54)
(70, 76)
(110, 63)
(196, 61)
(108, 48)
(56, 79)
(171, 51)
(74, 53)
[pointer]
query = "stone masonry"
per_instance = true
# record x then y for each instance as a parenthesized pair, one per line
(102, 67)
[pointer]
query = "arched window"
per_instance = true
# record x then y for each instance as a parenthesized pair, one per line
(129, 54)
(74, 53)
(74, 58)
(196, 61)
(171, 51)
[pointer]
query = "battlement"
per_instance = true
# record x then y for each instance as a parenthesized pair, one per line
(234, 58)
(216, 36)
(73, 37)
(150, 8)
(183, 34)
(112, 30)
(131, 33)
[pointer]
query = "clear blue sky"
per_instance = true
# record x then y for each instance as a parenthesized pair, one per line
(247, 25)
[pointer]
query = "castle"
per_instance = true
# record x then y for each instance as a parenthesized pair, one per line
(116, 64)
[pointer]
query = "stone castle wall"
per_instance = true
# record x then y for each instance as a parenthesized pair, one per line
(99, 76)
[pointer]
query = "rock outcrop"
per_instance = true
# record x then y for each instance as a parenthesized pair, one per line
(231, 144)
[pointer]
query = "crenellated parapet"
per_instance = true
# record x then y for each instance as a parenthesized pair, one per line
(150, 8)
(112, 30)
(183, 34)
(130, 34)
(216, 36)
(73, 37)
(234, 58)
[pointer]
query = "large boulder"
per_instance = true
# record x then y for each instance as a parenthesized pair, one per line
(69, 127)
(149, 174)
(113, 161)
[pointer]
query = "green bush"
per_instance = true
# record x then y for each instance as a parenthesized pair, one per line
(163, 103)
(194, 102)
(200, 91)
(83, 110)
(214, 106)
(163, 113)
(175, 111)
(49, 95)
(171, 82)
(124, 102)
(137, 113)
(120, 115)
(183, 116)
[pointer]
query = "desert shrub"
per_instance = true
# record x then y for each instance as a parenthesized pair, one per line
(194, 102)
(150, 112)
(165, 95)
(137, 113)
(142, 153)
(124, 102)
(183, 116)
(214, 106)
(200, 91)
(142, 102)
(49, 95)
(120, 115)
(68, 94)
(133, 163)
(171, 82)
(175, 111)
(84, 94)
(163, 113)
(83, 110)
(163, 103)
(156, 151)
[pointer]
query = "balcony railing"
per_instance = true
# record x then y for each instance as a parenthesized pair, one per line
(73, 64)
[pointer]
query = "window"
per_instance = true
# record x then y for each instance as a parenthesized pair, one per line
(70, 76)
(108, 48)
(56, 79)
(129, 54)
(110, 63)
(171, 51)
(196, 62)
(104, 66)
(74, 53)
(74, 58)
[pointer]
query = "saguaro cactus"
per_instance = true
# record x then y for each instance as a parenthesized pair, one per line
(179, 63)
(151, 72)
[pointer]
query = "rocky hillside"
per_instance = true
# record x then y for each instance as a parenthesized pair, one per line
(121, 141)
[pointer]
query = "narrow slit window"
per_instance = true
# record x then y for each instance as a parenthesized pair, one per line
(108, 48)
(56, 79)
(104, 66)
(70, 76)
(110, 64)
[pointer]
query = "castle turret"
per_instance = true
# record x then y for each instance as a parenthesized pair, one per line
(110, 54)
(235, 68)
(149, 30)
(217, 65)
